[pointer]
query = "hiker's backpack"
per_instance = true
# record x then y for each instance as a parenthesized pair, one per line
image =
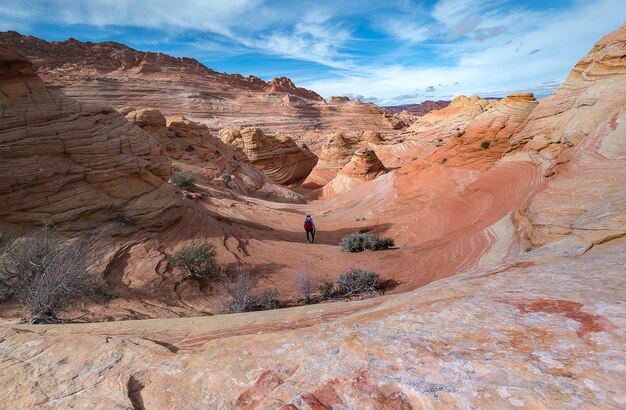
(308, 225)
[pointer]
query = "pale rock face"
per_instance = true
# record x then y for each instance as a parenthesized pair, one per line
(363, 166)
(277, 156)
(584, 195)
(75, 165)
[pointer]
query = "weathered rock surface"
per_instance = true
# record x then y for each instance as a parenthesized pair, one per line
(277, 156)
(122, 76)
(363, 166)
(335, 154)
(536, 333)
(72, 164)
(449, 121)
(584, 196)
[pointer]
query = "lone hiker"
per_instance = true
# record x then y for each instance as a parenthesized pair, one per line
(309, 227)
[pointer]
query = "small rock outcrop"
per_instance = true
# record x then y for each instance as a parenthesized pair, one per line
(335, 154)
(363, 166)
(75, 165)
(372, 137)
(277, 156)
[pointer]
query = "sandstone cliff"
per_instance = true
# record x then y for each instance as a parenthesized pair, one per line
(72, 164)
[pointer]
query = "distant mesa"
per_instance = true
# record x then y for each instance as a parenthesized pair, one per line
(338, 100)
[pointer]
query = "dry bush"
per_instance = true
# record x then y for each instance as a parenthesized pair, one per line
(241, 286)
(196, 260)
(46, 274)
(361, 241)
(357, 281)
(306, 284)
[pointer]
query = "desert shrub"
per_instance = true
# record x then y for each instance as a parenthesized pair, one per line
(241, 286)
(189, 148)
(46, 274)
(327, 290)
(183, 180)
(485, 144)
(357, 281)
(358, 242)
(306, 284)
(196, 260)
(267, 300)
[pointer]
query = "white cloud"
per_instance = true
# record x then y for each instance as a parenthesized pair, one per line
(493, 67)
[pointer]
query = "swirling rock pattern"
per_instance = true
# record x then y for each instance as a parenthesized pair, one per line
(210, 160)
(277, 156)
(75, 165)
(578, 136)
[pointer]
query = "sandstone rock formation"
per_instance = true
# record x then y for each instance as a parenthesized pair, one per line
(363, 166)
(587, 112)
(335, 154)
(210, 160)
(277, 156)
(420, 109)
(449, 121)
(122, 76)
(372, 137)
(72, 164)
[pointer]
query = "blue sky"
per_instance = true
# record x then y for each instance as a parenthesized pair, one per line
(389, 52)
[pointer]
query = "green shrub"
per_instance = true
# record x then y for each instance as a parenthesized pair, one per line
(358, 281)
(183, 180)
(485, 144)
(327, 290)
(361, 241)
(196, 260)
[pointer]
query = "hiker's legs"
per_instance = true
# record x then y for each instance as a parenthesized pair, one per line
(313, 235)
(307, 236)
